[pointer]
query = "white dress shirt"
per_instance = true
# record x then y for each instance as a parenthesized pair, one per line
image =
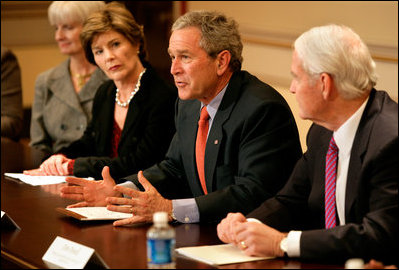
(343, 137)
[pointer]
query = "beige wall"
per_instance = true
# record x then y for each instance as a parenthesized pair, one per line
(267, 27)
(25, 30)
(33, 60)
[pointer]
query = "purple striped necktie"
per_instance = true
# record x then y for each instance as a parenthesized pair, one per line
(331, 176)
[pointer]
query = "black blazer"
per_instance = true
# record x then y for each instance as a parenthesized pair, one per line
(251, 150)
(146, 135)
(371, 200)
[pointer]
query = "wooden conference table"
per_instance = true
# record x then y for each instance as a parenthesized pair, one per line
(33, 209)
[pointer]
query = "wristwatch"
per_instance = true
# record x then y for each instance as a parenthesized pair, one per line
(284, 246)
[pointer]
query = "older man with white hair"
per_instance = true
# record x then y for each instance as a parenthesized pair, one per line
(341, 200)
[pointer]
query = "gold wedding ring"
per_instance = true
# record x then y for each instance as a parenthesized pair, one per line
(243, 245)
(131, 210)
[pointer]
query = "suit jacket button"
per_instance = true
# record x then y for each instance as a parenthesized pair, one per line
(216, 142)
(186, 219)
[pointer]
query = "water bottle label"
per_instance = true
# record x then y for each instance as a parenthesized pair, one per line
(160, 251)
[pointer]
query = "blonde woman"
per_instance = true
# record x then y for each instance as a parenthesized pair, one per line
(64, 94)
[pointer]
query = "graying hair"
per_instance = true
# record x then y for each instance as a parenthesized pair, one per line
(340, 52)
(72, 11)
(218, 33)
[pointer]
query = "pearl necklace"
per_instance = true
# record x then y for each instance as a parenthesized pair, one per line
(136, 89)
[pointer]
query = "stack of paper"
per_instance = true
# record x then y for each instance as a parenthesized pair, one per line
(93, 213)
(218, 254)
(39, 180)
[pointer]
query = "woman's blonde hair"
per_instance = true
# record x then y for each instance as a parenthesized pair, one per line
(72, 11)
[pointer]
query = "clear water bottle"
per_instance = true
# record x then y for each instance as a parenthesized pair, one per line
(161, 243)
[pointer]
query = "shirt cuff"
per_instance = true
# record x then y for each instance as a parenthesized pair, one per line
(253, 220)
(185, 210)
(71, 164)
(293, 243)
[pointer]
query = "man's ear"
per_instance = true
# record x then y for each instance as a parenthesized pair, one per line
(223, 61)
(328, 88)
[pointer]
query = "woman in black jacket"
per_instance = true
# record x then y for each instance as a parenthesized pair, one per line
(133, 113)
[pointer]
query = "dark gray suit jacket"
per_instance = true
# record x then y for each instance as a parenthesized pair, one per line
(251, 149)
(371, 200)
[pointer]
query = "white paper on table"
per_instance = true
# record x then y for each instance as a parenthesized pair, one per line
(38, 180)
(218, 254)
(94, 213)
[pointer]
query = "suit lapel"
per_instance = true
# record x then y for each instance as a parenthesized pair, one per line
(63, 89)
(188, 134)
(89, 90)
(133, 113)
(359, 148)
(106, 119)
(215, 138)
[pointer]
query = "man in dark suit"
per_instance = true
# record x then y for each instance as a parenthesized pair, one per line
(252, 141)
(332, 212)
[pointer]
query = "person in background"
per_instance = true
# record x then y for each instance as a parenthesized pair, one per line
(236, 140)
(64, 94)
(341, 200)
(11, 95)
(133, 113)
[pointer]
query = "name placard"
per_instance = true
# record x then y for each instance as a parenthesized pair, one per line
(66, 254)
(7, 222)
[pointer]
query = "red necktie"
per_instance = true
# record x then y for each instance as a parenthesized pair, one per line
(203, 126)
(331, 175)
